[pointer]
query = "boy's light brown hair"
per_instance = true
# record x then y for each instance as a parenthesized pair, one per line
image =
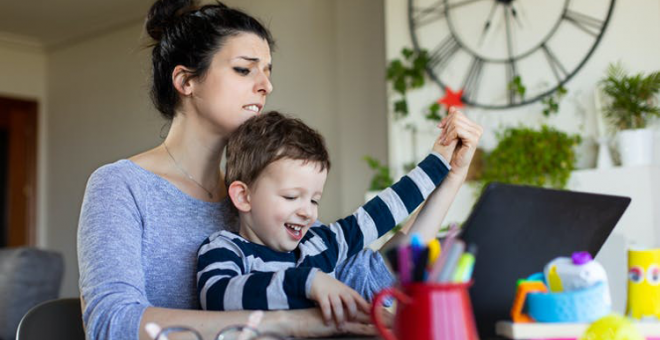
(266, 138)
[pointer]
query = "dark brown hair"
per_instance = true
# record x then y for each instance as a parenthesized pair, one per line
(189, 35)
(266, 138)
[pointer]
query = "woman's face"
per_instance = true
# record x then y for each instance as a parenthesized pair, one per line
(236, 84)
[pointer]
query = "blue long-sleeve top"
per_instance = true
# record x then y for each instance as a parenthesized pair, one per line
(236, 274)
(138, 237)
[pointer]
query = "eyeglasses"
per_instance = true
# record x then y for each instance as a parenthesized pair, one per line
(237, 332)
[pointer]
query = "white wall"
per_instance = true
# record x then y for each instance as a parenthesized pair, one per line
(631, 37)
(328, 69)
(98, 112)
(23, 76)
(23, 71)
(362, 107)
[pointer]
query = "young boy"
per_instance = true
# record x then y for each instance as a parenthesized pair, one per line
(281, 258)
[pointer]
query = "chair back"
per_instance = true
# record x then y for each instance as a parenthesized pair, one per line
(28, 277)
(55, 319)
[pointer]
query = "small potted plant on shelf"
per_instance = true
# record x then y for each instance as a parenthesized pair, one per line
(631, 102)
(525, 156)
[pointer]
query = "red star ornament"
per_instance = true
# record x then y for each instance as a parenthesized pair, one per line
(451, 98)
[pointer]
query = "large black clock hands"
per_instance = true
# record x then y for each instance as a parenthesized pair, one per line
(482, 46)
(489, 22)
(511, 63)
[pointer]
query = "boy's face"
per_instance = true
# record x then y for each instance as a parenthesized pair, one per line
(283, 203)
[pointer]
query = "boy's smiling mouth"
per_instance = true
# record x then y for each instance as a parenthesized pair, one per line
(295, 230)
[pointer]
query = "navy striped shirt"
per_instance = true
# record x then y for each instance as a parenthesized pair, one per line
(236, 274)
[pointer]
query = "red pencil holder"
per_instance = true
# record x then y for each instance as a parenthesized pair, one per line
(429, 312)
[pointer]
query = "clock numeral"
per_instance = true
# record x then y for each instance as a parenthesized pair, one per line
(584, 22)
(511, 74)
(425, 15)
(509, 43)
(472, 79)
(442, 54)
(438, 10)
(432, 28)
(555, 65)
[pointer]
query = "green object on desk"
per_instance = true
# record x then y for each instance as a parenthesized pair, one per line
(612, 327)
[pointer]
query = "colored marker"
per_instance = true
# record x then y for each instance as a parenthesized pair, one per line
(416, 246)
(434, 251)
(463, 271)
(419, 273)
(454, 254)
(404, 264)
(446, 245)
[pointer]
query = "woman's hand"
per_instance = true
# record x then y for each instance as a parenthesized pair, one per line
(463, 134)
(336, 299)
(308, 323)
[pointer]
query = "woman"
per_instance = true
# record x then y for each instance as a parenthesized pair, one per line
(143, 218)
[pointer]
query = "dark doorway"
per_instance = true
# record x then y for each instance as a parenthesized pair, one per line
(4, 166)
(18, 167)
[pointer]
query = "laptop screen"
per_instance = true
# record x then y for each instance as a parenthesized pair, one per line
(519, 229)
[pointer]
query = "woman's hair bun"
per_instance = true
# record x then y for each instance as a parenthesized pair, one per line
(163, 13)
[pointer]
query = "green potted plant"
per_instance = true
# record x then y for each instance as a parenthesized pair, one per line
(406, 74)
(526, 156)
(631, 102)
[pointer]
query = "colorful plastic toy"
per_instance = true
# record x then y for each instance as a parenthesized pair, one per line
(643, 284)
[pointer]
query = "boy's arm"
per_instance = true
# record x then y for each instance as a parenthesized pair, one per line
(446, 152)
(223, 284)
(279, 290)
(429, 219)
(390, 207)
(459, 139)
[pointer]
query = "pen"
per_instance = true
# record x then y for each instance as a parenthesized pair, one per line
(419, 271)
(404, 264)
(465, 265)
(416, 247)
(437, 266)
(451, 234)
(455, 252)
(434, 252)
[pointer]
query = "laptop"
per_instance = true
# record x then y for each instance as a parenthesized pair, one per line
(519, 229)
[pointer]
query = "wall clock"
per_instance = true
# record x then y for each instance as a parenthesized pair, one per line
(480, 46)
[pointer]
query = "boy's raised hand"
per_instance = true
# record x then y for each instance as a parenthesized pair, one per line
(337, 299)
(447, 151)
(461, 135)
